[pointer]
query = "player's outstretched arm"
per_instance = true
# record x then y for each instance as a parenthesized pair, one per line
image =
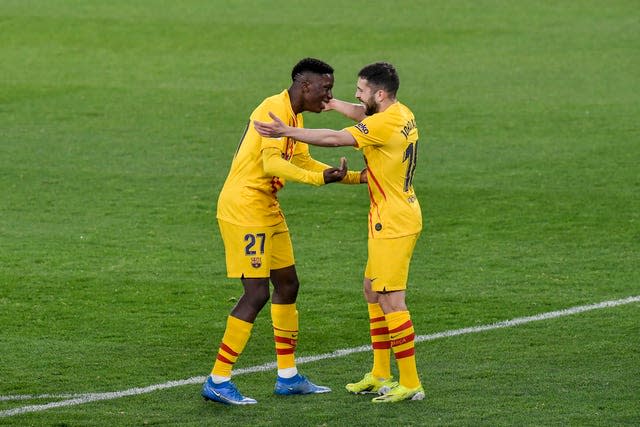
(321, 137)
(353, 111)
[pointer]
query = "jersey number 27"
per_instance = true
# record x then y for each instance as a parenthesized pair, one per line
(251, 240)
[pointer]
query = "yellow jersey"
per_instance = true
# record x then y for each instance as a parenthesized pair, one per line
(389, 143)
(261, 165)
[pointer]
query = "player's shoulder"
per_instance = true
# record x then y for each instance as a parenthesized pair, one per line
(405, 118)
(403, 109)
(276, 104)
(268, 102)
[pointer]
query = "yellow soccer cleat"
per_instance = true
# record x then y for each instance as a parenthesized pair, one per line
(400, 393)
(371, 384)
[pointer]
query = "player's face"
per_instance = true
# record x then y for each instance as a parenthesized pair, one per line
(367, 96)
(318, 91)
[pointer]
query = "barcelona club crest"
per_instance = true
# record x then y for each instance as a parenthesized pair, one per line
(256, 261)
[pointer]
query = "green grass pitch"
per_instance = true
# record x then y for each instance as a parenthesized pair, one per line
(118, 121)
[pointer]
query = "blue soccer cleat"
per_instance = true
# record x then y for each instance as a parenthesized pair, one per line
(225, 392)
(298, 384)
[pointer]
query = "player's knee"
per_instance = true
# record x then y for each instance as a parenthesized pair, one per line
(257, 296)
(286, 291)
(261, 298)
(293, 284)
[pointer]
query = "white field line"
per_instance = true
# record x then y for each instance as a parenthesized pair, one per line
(79, 399)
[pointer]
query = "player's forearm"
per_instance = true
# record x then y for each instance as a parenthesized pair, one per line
(321, 137)
(352, 177)
(275, 165)
(305, 161)
(353, 111)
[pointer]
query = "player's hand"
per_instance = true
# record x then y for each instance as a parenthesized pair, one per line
(363, 176)
(329, 105)
(335, 174)
(275, 129)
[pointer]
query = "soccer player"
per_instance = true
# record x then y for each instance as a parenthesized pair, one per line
(256, 238)
(387, 135)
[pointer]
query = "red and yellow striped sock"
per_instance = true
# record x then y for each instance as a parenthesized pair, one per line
(379, 342)
(402, 337)
(233, 342)
(285, 334)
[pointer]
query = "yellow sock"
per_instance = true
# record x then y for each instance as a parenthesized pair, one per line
(233, 342)
(285, 334)
(402, 337)
(379, 342)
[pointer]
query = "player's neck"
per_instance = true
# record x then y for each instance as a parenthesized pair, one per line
(386, 103)
(295, 97)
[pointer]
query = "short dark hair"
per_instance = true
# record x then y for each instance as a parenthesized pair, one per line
(382, 75)
(311, 65)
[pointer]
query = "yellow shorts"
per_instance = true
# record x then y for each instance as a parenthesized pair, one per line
(253, 252)
(388, 262)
